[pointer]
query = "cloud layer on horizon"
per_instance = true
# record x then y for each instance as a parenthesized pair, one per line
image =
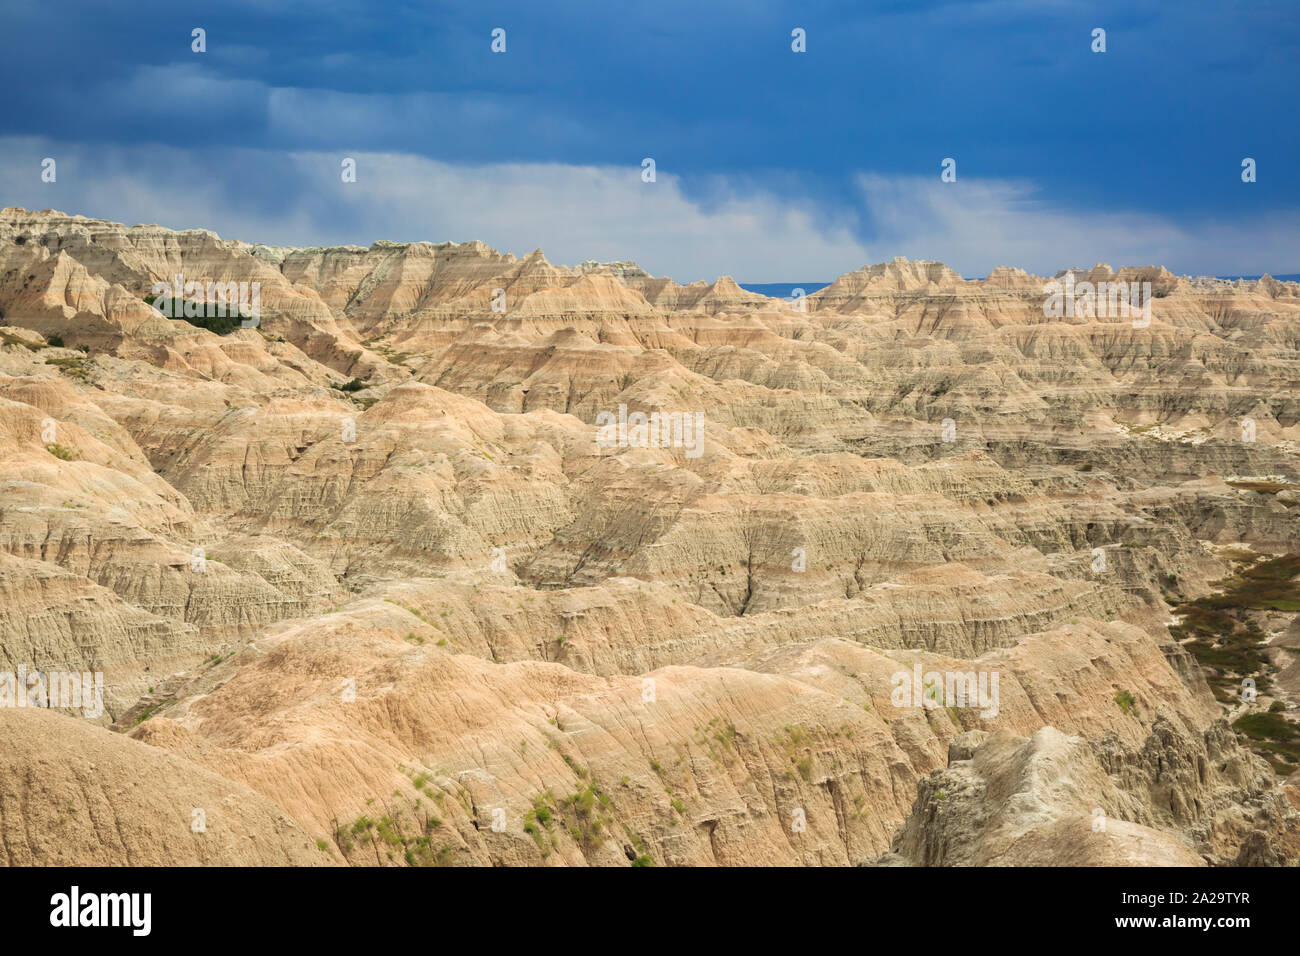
(745, 227)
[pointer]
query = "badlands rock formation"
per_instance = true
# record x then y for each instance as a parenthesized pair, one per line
(373, 580)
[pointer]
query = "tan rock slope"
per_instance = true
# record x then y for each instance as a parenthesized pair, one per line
(74, 795)
(369, 572)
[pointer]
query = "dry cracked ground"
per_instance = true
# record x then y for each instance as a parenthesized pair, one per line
(365, 587)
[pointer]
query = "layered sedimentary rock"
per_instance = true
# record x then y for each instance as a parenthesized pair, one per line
(377, 563)
(1178, 800)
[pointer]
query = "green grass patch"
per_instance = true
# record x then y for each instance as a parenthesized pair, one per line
(1266, 586)
(219, 324)
(1275, 738)
(1220, 633)
(1226, 641)
(61, 452)
(410, 834)
(72, 366)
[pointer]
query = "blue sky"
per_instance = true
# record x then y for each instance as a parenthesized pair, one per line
(771, 165)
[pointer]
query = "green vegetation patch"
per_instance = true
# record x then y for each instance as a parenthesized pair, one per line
(61, 452)
(1274, 737)
(1223, 636)
(220, 324)
(1224, 639)
(415, 840)
(72, 366)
